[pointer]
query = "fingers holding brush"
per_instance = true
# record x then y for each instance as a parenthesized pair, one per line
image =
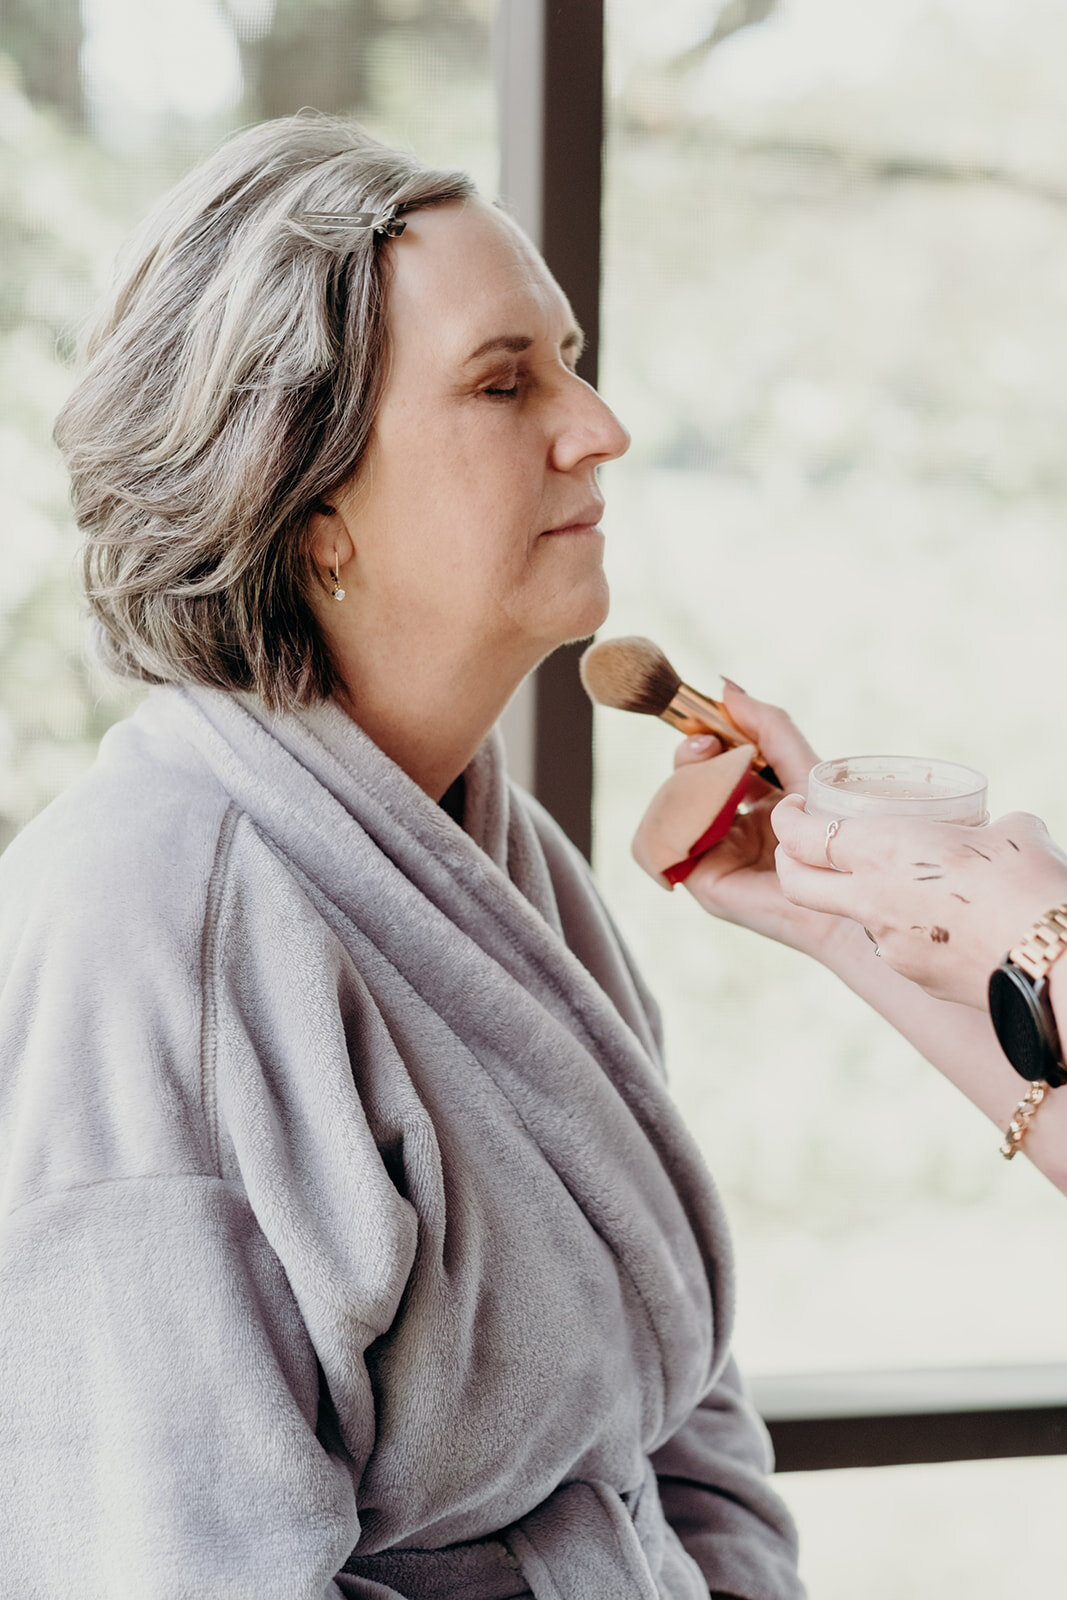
(789, 755)
(778, 737)
(708, 826)
(700, 747)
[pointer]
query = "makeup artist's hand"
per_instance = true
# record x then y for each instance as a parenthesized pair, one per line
(737, 880)
(943, 901)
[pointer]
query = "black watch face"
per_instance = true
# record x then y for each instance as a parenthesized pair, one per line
(1024, 1024)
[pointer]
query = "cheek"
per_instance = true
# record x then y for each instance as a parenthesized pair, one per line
(460, 558)
(484, 517)
(465, 490)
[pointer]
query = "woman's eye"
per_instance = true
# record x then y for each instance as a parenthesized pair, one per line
(501, 390)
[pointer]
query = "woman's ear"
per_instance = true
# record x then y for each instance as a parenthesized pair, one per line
(330, 538)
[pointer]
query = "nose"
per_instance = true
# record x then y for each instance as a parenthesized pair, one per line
(588, 429)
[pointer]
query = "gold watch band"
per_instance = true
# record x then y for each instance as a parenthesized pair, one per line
(1043, 944)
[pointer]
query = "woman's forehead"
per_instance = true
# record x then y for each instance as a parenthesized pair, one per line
(463, 274)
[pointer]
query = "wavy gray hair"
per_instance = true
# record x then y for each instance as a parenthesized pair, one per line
(232, 383)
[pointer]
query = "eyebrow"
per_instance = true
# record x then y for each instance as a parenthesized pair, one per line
(516, 343)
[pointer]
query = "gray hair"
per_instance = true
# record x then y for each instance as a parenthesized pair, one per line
(232, 383)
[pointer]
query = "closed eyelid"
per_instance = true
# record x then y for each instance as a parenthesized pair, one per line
(525, 370)
(502, 377)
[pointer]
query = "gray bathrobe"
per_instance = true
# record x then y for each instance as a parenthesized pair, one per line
(351, 1245)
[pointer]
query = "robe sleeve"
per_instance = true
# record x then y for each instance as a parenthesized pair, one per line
(162, 1427)
(716, 1496)
(158, 1401)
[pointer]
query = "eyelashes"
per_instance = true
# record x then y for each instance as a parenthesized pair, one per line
(511, 385)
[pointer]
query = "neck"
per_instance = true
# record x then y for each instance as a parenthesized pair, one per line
(429, 720)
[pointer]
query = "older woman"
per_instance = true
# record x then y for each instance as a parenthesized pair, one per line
(915, 917)
(351, 1243)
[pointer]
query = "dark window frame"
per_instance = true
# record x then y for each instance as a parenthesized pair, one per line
(550, 97)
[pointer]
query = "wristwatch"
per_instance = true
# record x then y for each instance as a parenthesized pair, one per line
(1019, 1002)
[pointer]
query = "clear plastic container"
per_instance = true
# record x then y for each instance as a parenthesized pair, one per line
(900, 786)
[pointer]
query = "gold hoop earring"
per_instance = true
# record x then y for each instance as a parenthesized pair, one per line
(335, 579)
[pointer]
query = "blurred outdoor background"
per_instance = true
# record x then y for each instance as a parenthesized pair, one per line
(835, 320)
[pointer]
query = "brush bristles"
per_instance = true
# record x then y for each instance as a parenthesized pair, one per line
(631, 674)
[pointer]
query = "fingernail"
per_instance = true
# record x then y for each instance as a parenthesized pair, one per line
(699, 742)
(730, 684)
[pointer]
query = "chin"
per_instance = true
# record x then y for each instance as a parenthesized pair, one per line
(588, 613)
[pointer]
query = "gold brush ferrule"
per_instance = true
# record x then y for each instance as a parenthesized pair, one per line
(692, 712)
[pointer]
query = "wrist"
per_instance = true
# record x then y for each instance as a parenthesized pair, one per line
(1030, 903)
(1057, 994)
(1024, 1017)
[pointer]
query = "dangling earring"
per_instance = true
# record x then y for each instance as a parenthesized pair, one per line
(335, 579)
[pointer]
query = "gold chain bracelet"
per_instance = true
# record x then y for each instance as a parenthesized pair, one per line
(1022, 1116)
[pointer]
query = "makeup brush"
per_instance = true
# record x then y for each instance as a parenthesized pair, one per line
(633, 674)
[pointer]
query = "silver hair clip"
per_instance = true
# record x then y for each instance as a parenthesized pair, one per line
(383, 222)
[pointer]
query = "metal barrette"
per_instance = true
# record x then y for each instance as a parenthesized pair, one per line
(383, 222)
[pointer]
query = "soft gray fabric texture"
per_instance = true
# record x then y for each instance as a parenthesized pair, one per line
(351, 1244)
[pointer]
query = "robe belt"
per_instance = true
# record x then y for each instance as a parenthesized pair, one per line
(585, 1542)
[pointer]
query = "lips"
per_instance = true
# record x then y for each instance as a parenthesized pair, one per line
(582, 521)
